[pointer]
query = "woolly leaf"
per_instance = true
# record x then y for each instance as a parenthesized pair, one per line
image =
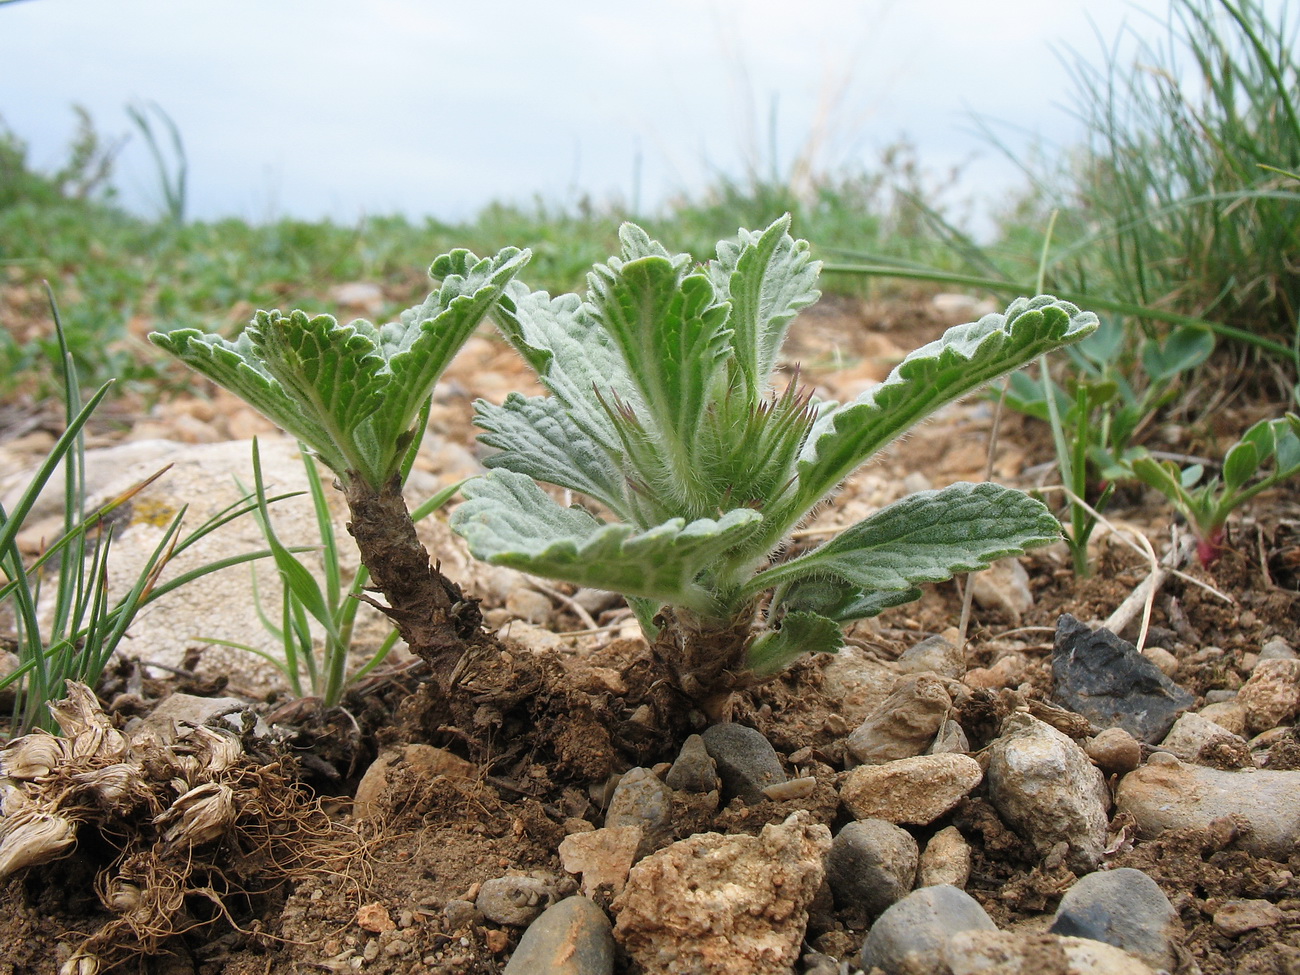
(508, 520)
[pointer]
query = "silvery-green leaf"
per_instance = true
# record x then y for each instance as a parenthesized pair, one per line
(538, 437)
(508, 520)
(673, 336)
(237, 367)
(432, 333)
(800, 633)
(925, 537)
(963, 359)
(333, 372)
(768, 276)
(573, 356)
(837, 599)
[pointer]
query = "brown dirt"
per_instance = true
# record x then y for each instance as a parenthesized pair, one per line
(546, 731)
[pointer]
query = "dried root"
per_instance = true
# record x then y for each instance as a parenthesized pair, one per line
(189, 820)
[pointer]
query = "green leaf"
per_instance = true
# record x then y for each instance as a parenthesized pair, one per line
(537, 436)
(1182, 350)
(1240, 464)
(769, 277)
(925, 537)
(419, 349)
(508, 520)
(332, 372)
(574, 358)
(238, 367)
(671, 330)
(965, 358)
(833, 597)
(800, 633)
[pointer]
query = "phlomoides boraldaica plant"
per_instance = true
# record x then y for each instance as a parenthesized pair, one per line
(358, 396)
(665, 410)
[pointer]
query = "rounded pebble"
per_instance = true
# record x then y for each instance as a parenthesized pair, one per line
(910, 790)
(694, 770)
(913, 932)
(747, 762)
(513, 900)
(945, 860)
(641, 799)
(1124, 908)
(573, 937)
(872, 864)
(1115, 751)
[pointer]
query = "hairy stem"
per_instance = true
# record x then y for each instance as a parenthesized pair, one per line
(705, 659)
(429, 610)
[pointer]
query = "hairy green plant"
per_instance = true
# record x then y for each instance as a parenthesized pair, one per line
(1208, 503)
(358, 397)
(665, 410)
(84, 624)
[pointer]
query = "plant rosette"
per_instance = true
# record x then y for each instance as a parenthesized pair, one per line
(665, 410)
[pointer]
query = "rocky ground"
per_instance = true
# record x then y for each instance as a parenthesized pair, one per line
(1033, 801)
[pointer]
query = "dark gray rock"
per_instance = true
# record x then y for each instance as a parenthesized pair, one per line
(1124, 908)
(747, 762)
(872, 864)
(1106, 680)
(911, 935)
(573, 937)
(695, 770)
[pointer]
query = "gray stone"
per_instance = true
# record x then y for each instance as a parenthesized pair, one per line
(1168, 794)
(1124, 908)
(905, 723)
(747, 762)
(1195, 738)
(933, 655)
(871, 865)
(950, 739)
(573, 937)
(513, 900)
(1045, 787)
(1106, 680)
(641, 799)
(694, 770)
(1276, 649)
(912, 934)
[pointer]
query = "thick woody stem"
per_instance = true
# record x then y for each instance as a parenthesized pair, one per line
(430, 612)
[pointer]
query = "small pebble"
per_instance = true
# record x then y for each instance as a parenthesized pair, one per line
(905, 723)
(459, 913)
(573, 937)
(794, 789)
(529, 605)
(1272, 695)
(1046, 788)
(747, 762)
(910, 790)
(1276, 649)
(871, 865)
(513, 900)
(935, 655)
(946, 860)
(1236, 917)
(1168, 794)
(695, 770)
(641, 799)
(1115, 751)
(913, 932)
(1122, 907)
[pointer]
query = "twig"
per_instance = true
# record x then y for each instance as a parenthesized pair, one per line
(566, 599)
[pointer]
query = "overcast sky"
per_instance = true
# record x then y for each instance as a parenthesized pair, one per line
(315, 108)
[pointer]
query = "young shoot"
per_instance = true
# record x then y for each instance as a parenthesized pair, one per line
(666, 409)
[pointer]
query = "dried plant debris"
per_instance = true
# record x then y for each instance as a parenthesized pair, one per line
(182, 823)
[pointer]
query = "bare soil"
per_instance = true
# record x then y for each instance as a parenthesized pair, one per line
(547, 731)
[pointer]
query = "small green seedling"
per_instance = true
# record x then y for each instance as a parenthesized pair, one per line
(358, 397)
(1207, 504)
(665, 409)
